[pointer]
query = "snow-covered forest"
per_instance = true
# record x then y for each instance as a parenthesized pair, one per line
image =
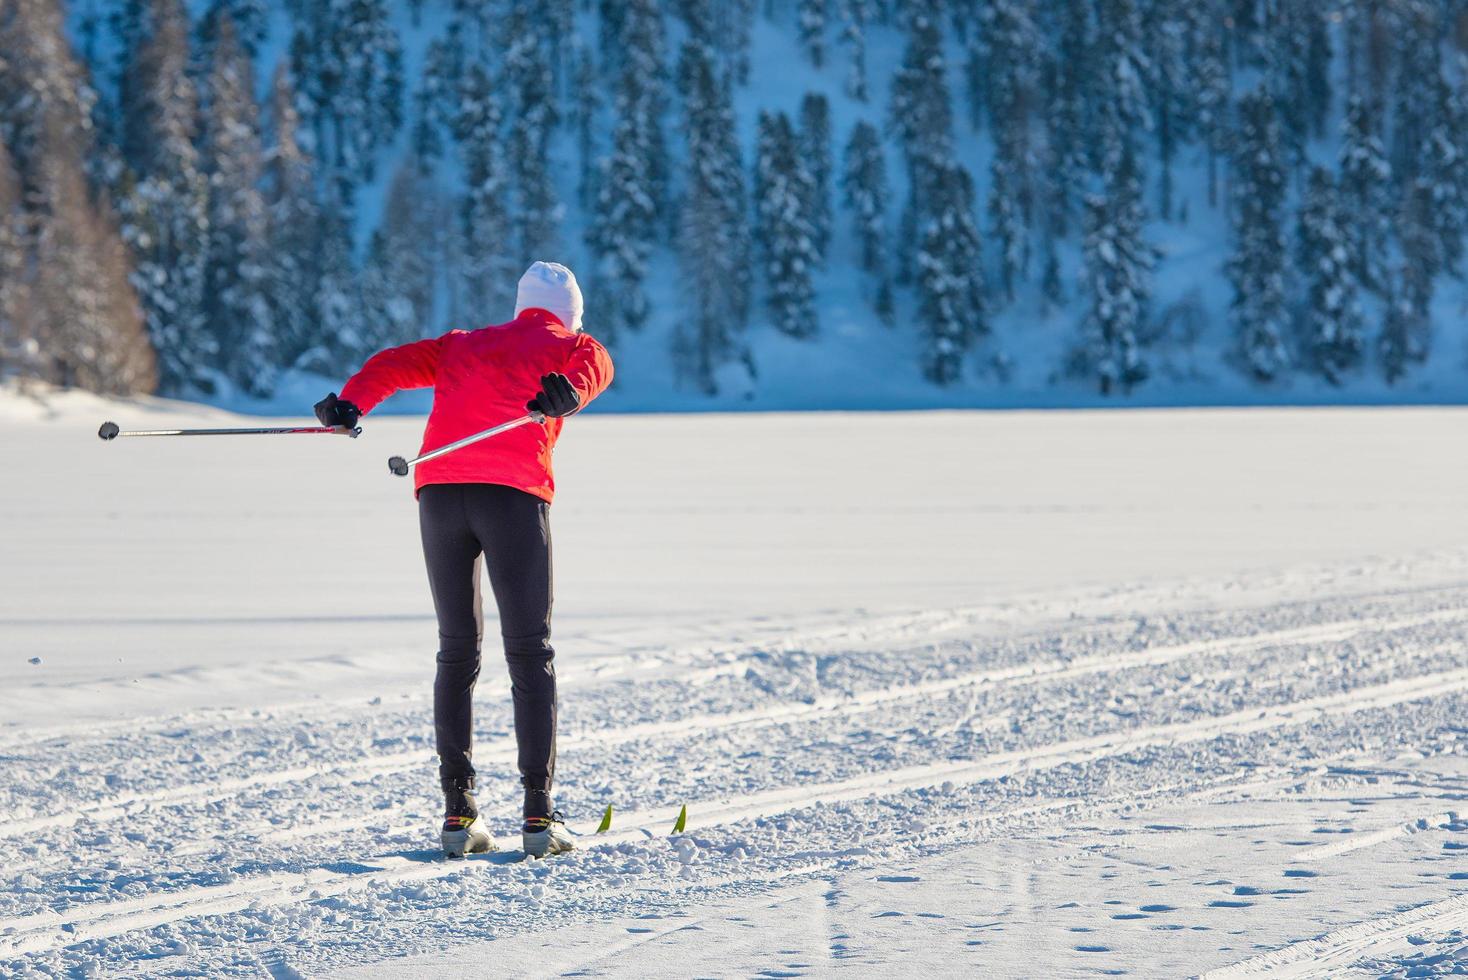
(769, 202)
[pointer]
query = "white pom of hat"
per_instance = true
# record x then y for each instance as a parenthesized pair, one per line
(550, 286)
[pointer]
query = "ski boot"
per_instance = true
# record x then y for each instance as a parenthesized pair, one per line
(544, 831)
(463, 831)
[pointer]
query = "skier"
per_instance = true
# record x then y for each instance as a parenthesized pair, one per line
(491, 501)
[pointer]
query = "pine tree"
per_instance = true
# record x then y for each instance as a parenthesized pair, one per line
(1168, 27)
(811, 16)
(84, 326)
(401, 280)
(434, 105)
(1118, 281)
(537, 212)
(815, 152)
(864, 186)
(295, 221)
(950, 290)
(488, 270)
(236, 309)
(854, 16)
(1256, 268)
(1067, 79)
(1214, 86)
(715, 248)
(586, 105)
(1331, 324)
(921, 115)
(165, 218)
(19, 350)
(786, 240)
(1365, 176)
(1011, 50)
(348, 64)
(1406, 335)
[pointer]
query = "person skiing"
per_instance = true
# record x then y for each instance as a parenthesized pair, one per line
(490, 502)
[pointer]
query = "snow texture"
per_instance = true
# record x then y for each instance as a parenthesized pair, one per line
(957, 694)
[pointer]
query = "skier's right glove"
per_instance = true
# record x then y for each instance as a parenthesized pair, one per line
(557, 397)
(331, 410)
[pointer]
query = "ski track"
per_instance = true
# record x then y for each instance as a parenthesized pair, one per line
(839, 705)
(29, 934)
(1302, 689)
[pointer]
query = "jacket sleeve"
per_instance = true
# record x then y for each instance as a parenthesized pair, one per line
(589, 369)
(410, 366)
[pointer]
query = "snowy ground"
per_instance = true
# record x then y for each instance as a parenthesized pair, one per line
(1005, 694)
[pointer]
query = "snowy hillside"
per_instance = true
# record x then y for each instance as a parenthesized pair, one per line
(1150, 692)
(798, 204)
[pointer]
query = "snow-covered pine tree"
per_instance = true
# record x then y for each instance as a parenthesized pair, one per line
(1011, 50)
(348, 65)
(536, 214)
(1365, 176)
(1293, 31)
(1118, 282)
(586, 106)
(402, 276)
(293, 271)
(84, 317)
(488, 269)
(1067, 76)
(785, 238)
(814, 146)
(1443, 168)
(921, 115)
(949, 275)
(1122, 111)
(811, 20)
(854, 17)
(434, 105)
(1213, 86)
(165, 218)
(864, 187)
(19, 351)
(236, 308)
(631, 188)
(715, 249)
(1256, 268)
(1407, 333)
(1169, 29)
(1331, 323)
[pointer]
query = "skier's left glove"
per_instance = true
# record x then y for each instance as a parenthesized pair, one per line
(331, 410)
(557, 397)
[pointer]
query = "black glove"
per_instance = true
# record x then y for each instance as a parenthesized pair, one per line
(557, 397)
(331, 410)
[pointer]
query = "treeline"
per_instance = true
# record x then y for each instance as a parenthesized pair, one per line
(161, 226)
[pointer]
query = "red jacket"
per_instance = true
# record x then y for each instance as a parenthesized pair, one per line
(482, 378)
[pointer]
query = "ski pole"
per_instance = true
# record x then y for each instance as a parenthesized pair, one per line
(110, 431)
(400, 466)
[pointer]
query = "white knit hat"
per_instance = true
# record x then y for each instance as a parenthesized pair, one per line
(551, 286)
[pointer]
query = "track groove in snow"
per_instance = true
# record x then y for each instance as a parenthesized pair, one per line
(502, 749)
(30, 934)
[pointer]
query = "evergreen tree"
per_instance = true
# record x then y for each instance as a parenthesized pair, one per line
(487, 267)
(295, 221)
(586, 104)
(1406, 335)
(1365, 176)
(715, 248)
(236, 309)
(401, 280)
(854, 16)
(1118, 281)
(1169, 26)
(84, 326)
(811, 15)
(1256, 268)
(1331, 321)
(631, 187)
(921, 115)
(950, 290)
(864, 185)
(1213, 88)
(1012, 52)
(19, 351)
(537, 212)
(348, 64)
(165, 219)
(434, 105)
(1067, 76)
(786, 240)
(815, 153)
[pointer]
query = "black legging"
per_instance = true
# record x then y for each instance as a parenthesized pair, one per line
(510, 529)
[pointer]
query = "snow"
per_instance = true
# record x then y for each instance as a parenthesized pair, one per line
(950, 693)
